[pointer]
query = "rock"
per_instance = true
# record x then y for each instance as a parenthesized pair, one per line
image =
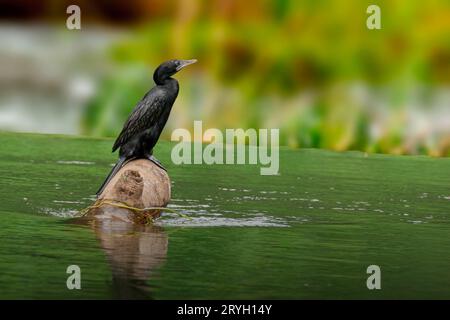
(138, 184)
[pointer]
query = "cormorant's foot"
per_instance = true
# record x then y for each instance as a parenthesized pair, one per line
(156, 161)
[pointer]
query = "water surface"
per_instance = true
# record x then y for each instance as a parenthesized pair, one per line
(310, 232)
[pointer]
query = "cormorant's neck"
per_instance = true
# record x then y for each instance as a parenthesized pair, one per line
(170, 83)
(163, 80)
(161, 77)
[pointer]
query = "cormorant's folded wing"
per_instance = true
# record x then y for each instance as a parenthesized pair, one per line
(144, 116)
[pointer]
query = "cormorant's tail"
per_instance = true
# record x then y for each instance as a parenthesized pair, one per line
(113, 172)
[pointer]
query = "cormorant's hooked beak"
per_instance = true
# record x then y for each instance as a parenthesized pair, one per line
(184, 63)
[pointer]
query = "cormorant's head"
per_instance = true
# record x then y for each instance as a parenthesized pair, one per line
(169, 68)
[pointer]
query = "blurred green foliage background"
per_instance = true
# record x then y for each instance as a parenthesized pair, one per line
(310, 68)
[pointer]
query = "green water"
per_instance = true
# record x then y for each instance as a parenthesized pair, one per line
(310, 232)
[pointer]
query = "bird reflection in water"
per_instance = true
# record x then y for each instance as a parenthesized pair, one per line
(134, 252)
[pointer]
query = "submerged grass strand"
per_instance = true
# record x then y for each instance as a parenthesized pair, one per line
(119, 204)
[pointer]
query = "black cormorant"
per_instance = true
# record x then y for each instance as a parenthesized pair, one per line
(143, 127)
